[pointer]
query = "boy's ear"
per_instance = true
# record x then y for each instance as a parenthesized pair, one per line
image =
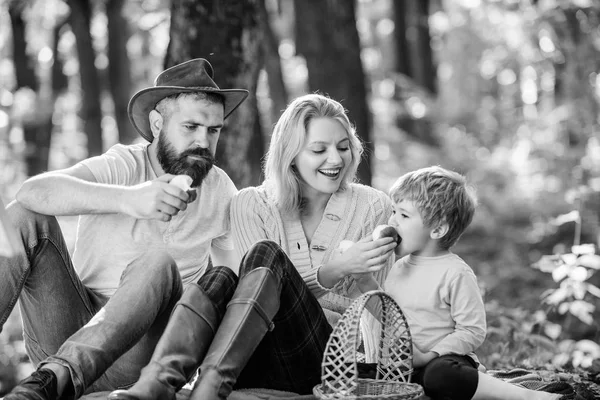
(439, 231)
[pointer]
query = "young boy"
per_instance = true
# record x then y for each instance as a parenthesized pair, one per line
(437, 291)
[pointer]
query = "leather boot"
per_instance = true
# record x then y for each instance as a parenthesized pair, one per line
(248, 318)
(179, 351)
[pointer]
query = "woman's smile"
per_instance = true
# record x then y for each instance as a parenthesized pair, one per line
(333, 173)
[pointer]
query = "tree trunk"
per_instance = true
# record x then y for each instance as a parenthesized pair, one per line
(24, 66)
(403, 57)
(270, 49)
(60, 82)
(37, 125)
(228, 34)
(402, 49)
(119, 68)
(90, 111)
(419, 42)
(327, 37)
(257, 141)
(414, 59)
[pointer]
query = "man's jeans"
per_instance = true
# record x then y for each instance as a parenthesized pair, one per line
(103, 342)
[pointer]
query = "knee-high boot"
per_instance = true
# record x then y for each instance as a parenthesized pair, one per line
(179, 351)
(248, 318)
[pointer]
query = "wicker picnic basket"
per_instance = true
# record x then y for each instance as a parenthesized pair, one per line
(339, 377)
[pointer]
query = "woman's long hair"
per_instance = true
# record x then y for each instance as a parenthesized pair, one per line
(288, 139)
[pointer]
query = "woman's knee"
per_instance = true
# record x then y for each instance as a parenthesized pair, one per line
(265, 245)
(219, 284)
(218, 279)
(449, 378)
(264, 253)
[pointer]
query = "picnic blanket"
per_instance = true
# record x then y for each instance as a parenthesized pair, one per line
(245, 394)
(548, 381)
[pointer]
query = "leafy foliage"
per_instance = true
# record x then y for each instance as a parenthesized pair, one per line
(572, 271)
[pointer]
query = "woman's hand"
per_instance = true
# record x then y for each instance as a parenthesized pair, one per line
(364, 256)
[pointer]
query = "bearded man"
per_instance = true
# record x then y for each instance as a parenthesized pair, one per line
(92, 322)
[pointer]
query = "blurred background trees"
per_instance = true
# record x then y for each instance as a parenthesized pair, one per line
(229, 34)
(505, 91)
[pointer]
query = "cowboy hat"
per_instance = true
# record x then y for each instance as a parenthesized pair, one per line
(190, 76)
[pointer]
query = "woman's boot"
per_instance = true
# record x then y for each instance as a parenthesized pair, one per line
(248, 318)
(179, 351)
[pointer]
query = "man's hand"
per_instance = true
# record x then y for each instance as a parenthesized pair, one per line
(155, 199)
(192, 195)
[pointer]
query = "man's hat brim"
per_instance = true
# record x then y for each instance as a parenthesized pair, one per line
(145, 100)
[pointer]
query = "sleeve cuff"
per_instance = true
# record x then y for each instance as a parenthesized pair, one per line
(223, 243)
(450, 348)
(441, 350)
(312, 281)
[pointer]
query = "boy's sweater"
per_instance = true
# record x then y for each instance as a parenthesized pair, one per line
(441, 301)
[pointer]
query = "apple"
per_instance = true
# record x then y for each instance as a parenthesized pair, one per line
(183, 182)
(382, 231)
(345, 245)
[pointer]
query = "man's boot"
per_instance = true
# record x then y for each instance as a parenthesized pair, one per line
(248, 318)
(179, 351)
(41, 385)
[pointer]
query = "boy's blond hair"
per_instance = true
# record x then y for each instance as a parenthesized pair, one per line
(440, 196)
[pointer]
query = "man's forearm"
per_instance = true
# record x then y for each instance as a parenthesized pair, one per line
(59, 194)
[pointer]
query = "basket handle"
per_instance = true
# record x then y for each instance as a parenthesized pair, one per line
(339, 373)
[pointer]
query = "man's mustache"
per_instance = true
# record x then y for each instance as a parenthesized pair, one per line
(198, 155)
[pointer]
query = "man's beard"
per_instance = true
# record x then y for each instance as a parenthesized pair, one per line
(196, 167)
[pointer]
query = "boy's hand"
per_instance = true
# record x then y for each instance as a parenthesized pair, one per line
(421, 359)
